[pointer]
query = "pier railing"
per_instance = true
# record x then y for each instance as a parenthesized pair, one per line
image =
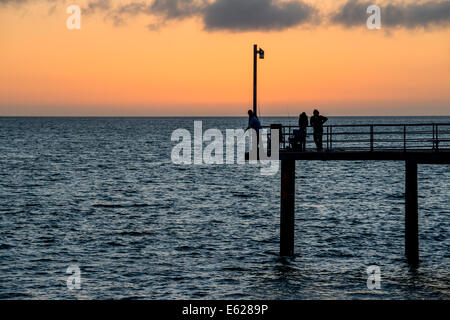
(373, 137)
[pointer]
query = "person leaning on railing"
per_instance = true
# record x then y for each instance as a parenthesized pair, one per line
(317, 122)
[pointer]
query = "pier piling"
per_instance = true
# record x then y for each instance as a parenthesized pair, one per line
(411, 213)
(287, 214)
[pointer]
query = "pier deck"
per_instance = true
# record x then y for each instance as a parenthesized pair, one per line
(421, 156)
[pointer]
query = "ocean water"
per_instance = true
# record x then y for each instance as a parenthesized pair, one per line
(103, 194)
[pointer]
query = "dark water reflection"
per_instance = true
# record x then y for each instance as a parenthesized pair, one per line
(103, 194)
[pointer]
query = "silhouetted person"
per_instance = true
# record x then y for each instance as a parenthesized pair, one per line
(303, 124)
(317, 122)
(253, 123)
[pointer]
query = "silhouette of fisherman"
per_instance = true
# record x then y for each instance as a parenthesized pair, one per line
(253, 123)
(303, 124)
(317, 122)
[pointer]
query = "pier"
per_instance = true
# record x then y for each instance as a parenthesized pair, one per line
(413, 143)
(421, 143)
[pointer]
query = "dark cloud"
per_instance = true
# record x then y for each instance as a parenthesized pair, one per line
(165, 9)
(132, 8)
(13, 2)
(352, 13)
(21, 2)
(162, 10)
(249, 15)
(407, 15)
(97, 5)
(417, 15)
(177, 9)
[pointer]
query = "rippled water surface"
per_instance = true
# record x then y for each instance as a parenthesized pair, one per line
(103, 194)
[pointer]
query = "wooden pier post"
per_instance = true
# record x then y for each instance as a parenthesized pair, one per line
(411, 213)
(287, 213)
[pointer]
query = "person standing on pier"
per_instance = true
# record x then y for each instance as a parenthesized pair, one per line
(317, 122)
(253, 123)
(303, 124)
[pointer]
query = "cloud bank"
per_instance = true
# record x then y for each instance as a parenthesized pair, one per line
(226, 15)
(269, 15)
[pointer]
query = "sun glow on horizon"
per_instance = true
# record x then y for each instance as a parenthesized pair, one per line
(183, 69)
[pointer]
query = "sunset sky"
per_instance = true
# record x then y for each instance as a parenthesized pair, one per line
(191, 58)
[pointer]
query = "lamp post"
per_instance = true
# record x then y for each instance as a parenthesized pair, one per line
(255, 58)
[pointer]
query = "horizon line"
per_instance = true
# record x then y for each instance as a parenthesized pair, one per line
(210, 116)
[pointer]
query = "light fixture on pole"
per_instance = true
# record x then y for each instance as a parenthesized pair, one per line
(255, 57)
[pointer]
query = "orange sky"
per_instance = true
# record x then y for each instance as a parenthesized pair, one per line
(181, 69)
